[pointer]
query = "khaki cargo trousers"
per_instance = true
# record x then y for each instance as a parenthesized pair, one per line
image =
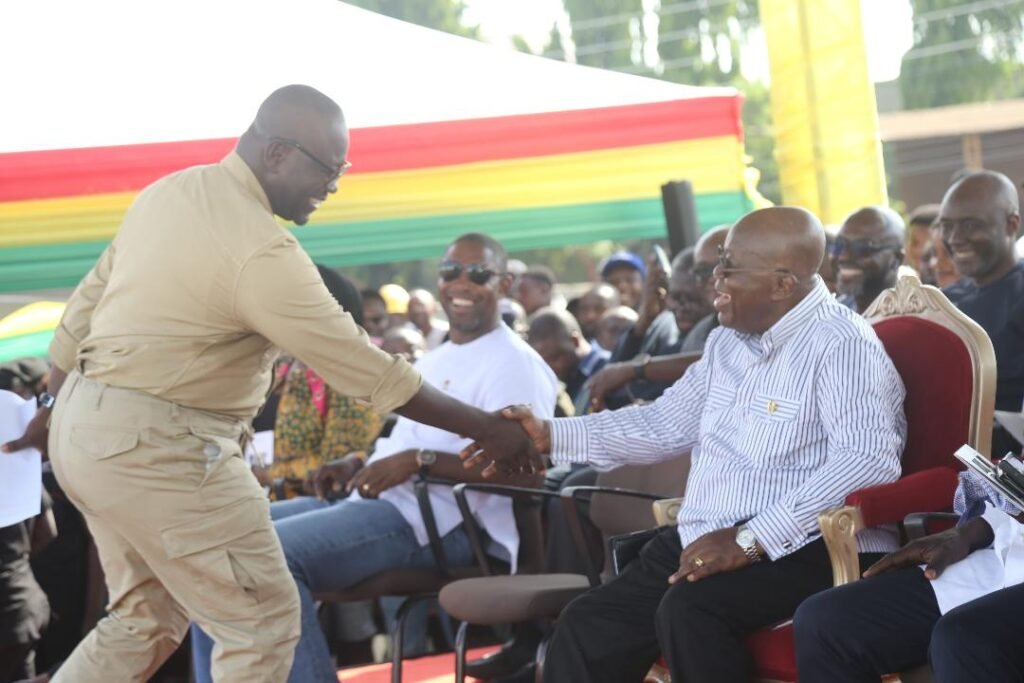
(183, 532)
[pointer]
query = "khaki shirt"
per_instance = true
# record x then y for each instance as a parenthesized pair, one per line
(198, 291)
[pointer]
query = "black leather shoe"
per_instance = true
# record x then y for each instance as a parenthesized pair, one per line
(510, 659)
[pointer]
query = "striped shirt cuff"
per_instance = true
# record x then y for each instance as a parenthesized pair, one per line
(777, 532)
(569, 440)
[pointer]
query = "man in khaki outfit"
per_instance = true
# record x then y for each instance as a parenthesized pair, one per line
(167, 347)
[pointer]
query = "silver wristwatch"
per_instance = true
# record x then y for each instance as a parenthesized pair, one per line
(425, 459)
(746, 540)
(46, 400)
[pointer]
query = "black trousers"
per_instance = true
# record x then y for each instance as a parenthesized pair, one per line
(615, 632)
(891, 623)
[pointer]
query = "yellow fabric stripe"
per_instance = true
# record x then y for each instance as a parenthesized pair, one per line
(711, 164)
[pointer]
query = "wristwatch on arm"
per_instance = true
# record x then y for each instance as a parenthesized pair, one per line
(425, 459)
(640, 366)
(46, 400)
(747, 542)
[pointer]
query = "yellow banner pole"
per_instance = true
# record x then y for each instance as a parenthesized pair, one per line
(823, 104)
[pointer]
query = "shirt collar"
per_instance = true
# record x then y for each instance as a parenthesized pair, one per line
(586, 366)
(240, 171)
(788, 325)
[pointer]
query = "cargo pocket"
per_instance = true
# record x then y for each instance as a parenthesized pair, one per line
(229, 548)
(101, 442)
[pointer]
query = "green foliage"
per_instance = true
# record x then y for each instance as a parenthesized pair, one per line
(443, 15)
(963, 52)
(604, 31)
(701, 45)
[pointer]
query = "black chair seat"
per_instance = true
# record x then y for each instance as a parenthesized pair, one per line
(511, 599)
(398, 582)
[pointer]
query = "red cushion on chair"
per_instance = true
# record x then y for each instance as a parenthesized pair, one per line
(936, 368)
(774, 653)
(929, 490)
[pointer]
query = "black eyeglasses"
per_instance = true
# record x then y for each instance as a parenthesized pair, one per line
(725, 269)
(478, 273)
(332, 172)
(857, 248)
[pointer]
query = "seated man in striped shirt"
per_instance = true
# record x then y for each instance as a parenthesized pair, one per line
(794, 405)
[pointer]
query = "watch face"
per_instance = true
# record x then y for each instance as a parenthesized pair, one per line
(745, 538)
(426, 458)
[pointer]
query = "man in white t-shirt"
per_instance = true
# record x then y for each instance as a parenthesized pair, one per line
(376, 524)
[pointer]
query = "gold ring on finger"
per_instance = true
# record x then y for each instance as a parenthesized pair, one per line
(698, 563)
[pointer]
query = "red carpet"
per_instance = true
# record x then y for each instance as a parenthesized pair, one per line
(435, 669)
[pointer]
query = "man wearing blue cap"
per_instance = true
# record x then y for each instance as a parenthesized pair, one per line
(625, 271)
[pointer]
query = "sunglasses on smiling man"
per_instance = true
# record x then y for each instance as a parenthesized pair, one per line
(857, 248)
(478, 273)
(332, 172)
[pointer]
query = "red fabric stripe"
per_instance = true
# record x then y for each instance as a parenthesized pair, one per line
(512, 137)
(73, 172)
(100, 170)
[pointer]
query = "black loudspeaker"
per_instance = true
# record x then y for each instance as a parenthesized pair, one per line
(680, 215)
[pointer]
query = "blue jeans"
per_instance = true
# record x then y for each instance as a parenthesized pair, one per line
(333, 546)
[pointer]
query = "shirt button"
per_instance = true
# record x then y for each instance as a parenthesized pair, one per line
(211, 450)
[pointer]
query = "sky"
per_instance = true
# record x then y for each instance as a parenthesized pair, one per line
(887, 27)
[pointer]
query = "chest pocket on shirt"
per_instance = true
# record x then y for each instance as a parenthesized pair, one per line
(773, 409)
(772, 430)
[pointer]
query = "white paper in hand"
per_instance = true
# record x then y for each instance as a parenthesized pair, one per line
(21, 473)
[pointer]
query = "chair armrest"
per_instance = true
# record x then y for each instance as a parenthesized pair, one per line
(473, 529)
(918, 524)
(572, 501)
(839, 527)
(929, 490)
(626, 547)
(666, 510)
(421, 489)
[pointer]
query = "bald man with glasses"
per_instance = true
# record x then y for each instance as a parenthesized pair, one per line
(161, 360)
(793, 405)
(866, 255)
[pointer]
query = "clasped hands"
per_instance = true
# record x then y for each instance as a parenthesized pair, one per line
(514, 441)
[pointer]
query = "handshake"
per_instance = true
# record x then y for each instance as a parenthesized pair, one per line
(512, 441)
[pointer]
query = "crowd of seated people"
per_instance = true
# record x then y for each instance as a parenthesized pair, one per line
(712, 357)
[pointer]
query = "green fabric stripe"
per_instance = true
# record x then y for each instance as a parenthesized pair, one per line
(406, 239)
(36, 345)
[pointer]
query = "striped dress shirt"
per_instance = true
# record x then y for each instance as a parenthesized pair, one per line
(781, 426)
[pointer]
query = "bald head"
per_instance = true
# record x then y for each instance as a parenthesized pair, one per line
(289, 111)
(706, 249)
(296, 147)
(979, 219)
(990, 187)
(880, 222)
(770, 263)
(783, 237)
(867, 254)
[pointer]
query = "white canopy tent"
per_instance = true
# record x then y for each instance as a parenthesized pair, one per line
(111, 72)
